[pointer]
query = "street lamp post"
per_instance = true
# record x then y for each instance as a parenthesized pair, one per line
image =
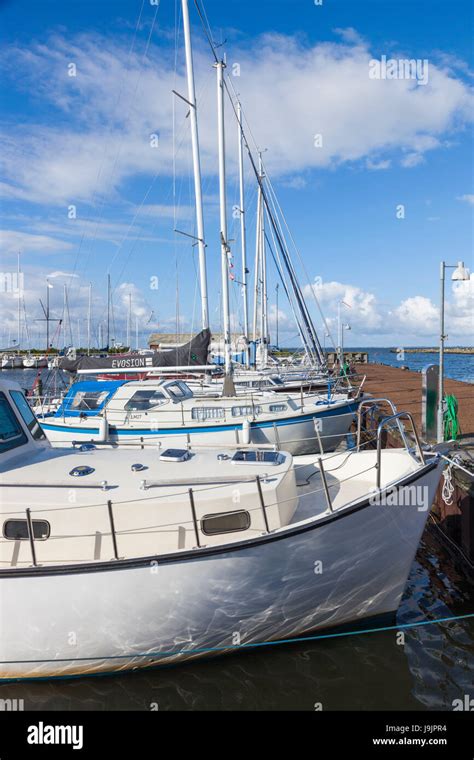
(340, 329)
(343, 327)
(460, 273)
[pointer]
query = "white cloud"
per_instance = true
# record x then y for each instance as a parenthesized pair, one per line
(15, 240)
(118, 99)
(378, 165)
(417, 316)
(413, 319)
(412, 159)
(467, 198)
(363, 313)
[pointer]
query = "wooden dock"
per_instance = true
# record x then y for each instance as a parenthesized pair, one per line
(403, 387)
(454, 522)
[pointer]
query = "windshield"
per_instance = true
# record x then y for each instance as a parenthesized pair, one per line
(88, 400)
(142, 400)
(27, 415)
(11, 432)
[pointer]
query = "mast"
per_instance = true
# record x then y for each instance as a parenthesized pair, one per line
(263, 264)
(108, 311)
(18, 287)
(129, 322)
(89, 317)
(257, 262)
(243, 239)
(196, 165)
(225, 250)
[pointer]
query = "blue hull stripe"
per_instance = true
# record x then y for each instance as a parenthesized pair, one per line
(348, 409)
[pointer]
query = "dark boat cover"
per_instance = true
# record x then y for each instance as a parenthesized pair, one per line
(193, 353)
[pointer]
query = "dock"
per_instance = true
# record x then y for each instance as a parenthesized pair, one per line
(403, 387)
(452, 521)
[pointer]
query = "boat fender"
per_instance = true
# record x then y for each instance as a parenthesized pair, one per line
(246, 431)
(103, 429)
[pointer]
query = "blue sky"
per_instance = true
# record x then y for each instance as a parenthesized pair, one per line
(84, 141)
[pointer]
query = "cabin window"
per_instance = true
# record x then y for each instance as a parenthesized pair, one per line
(178, 391)
(18, 530)
(143, 400)
(11, 432)
(27, 414)
(202, 413)
(225, 522)
(87, 401)
(245, 411)
(278, 407)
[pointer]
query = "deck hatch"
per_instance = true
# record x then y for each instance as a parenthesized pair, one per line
(174, 455)
(257, 456)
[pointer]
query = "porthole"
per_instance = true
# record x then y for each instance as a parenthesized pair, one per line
(225, 522)
(18, 530)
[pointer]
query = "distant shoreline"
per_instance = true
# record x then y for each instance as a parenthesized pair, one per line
(448, 350)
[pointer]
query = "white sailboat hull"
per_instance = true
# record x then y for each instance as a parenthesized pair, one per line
(295, 434)
(124, 615)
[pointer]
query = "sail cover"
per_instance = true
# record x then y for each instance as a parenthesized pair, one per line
(193, 353)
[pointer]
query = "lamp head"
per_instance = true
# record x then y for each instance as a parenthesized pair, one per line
(461, 272)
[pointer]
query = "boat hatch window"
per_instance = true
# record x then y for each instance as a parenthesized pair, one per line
(277, 381)
(178, 391)
(278, 407)
(143, 400)
(175, 455)
(225, 522)
(11, 432)
(27, 414)
(256, 456)
(88, 400)
(245, 411)
(208, 413)
(18, 529)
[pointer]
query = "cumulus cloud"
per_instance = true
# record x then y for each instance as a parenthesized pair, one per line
(417, 315)
(413, 319)
(118, 100)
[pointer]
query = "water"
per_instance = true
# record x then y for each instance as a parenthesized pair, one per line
(456, 366)
(370, 671)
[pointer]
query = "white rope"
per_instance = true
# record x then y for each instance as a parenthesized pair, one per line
(448, 485)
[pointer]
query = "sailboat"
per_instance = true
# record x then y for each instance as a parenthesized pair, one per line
(161, 556)
(168, 412)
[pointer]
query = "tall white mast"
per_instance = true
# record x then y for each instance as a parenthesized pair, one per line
(89, 316)
(243, 239)
(19, 289)
(129, 322)
(257, 264)
(196, 165)
(263, 263)
(220, 66)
